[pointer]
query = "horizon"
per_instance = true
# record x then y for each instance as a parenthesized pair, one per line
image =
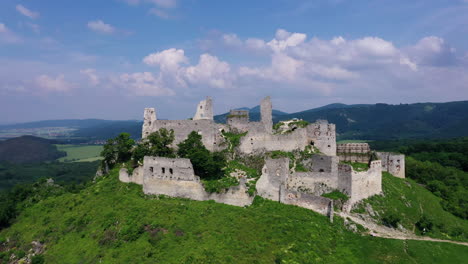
(112, 58)
(216, 114)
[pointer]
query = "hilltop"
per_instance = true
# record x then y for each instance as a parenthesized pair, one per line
(113, 222)
(29, 149)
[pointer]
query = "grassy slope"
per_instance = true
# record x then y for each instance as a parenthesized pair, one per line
(116, 223)
(77, 153)
(408, 200)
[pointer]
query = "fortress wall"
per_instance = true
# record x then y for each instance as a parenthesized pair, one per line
(393, 163)
(322, 177)
(318, 204)
(322, 135)
(238, 120)
(182, 182)
(136, 176)
(210, 131)
(354, 152)
(360, 185)
(259, 141)
(274, 175)
(149, 117)
(204, 110)
(266, 114)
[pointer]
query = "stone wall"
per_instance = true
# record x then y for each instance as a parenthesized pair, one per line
(354, 152)
(274, 175)
(318, 204)
(238, 120)
(257, 141)
(321, 178)
(266, 109)
(362, 184)
(322, 135)
(204, 110)
(176, 178)
(149, 117)
(393, 163)
(273, 185)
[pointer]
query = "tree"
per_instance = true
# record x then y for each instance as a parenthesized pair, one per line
(118, 150)
(207, 165)
(156, 144)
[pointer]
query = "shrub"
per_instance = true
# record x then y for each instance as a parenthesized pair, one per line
(38, 259)
(391, 220)
(424, 224)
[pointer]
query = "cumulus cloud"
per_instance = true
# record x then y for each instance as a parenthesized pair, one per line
(51, 84)
(168, 60)
(210, 70)
(91, 75)
(7, 36)
(26, 12)
(101, 27)
(433, 51)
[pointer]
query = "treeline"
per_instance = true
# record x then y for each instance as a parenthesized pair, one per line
(74, 173)
(440, 165)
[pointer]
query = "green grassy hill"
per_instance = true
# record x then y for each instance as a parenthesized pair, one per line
(28, 149)
(114, 222)
(408, 201)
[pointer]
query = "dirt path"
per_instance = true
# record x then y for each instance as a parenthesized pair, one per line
(386, 232)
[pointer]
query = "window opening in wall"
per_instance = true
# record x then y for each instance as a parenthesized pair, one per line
(163, 170)
(321, 170)
(201, 107)
(171, 171)
(311, 143)
(151, 169)
(329, 146)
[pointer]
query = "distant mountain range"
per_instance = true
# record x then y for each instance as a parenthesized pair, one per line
(360, 121)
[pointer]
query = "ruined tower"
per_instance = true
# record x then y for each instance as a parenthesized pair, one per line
(204, 110)
(149, 117)
(266, 115)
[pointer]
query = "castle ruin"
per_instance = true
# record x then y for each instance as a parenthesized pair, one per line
(328, 167)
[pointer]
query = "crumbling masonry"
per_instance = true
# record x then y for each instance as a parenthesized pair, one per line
(176, 178)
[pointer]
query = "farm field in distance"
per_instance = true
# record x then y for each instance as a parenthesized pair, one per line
(80, 153)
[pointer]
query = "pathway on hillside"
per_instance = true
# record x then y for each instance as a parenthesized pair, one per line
(386, 232)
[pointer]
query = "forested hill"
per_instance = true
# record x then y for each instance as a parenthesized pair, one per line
(28, 149)
(363, 121)
(383, 121)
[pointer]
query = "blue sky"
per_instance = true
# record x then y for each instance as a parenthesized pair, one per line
(112, 58)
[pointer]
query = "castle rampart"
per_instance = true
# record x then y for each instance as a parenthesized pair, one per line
(393, 163)
(278, 182)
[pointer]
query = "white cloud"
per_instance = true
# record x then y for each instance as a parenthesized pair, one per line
(286, 39)
(51, 84)
(210, 70)
(232, 40)
(26, 12)
(92, 76)
(144, 84)
(7, 36)
(101, 27)
(433, 51)
(168, 60)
